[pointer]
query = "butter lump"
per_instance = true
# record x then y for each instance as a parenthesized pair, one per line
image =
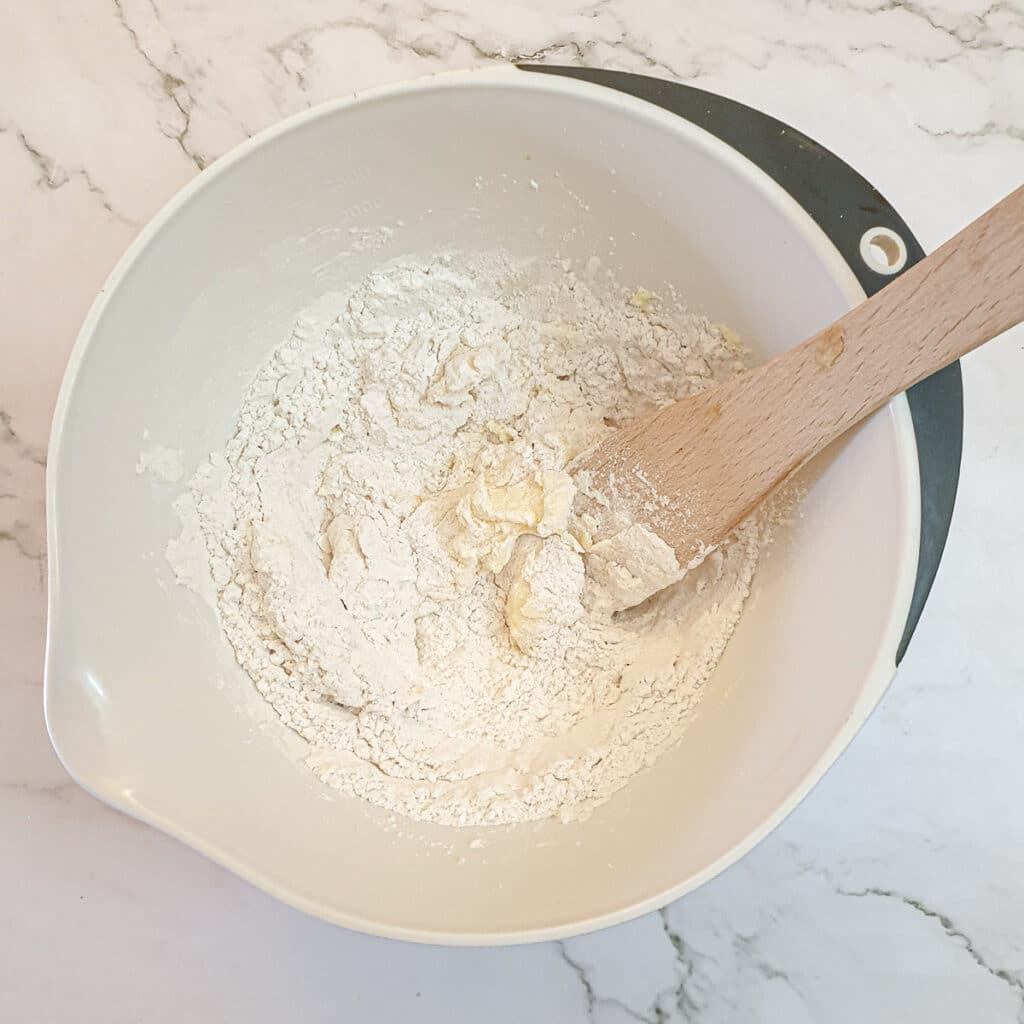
(488, 518)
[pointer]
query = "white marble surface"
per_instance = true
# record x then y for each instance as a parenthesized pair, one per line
(894, 893)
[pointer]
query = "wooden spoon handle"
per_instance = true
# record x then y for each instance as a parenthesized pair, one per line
(965, 293)
(711, 458)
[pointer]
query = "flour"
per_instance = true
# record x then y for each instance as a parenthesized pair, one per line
(163, 463)
(414, 575)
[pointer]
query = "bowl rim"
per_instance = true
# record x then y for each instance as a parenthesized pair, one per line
(883, 663)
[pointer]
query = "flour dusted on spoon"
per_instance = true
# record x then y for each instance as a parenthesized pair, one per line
(411, 572)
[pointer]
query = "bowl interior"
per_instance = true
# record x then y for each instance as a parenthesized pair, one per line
(144, 701)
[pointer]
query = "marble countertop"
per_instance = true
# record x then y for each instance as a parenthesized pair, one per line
(894, 893)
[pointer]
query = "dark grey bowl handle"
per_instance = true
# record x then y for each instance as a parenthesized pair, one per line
(844, 205)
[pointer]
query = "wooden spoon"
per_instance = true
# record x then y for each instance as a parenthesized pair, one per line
(693, 470)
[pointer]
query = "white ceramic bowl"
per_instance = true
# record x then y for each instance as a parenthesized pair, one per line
(144, 703)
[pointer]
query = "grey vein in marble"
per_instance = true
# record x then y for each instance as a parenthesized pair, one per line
(958, 32)
(685, 999)
(593, 1000)
(57, 791)
(1014, 981)
(22, 536)
(54, 177)
(381, 22)
(10, 438)
(611, 35)
(172, 86)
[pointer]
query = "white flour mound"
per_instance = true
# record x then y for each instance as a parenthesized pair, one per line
(399, 565)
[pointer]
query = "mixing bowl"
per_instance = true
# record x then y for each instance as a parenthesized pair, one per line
(144, 702)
